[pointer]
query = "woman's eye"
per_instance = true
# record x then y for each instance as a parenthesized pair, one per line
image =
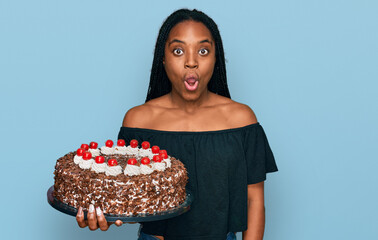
(178, 51)
(203, 51)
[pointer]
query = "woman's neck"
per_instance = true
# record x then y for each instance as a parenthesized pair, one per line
(189, 106)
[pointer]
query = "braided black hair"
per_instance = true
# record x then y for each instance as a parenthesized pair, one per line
(159, 82)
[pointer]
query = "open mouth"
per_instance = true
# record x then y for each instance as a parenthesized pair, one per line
(191, 83)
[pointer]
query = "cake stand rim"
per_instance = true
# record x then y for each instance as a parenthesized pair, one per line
(182, 208)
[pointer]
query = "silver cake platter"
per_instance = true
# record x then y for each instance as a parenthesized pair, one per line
(182, 208)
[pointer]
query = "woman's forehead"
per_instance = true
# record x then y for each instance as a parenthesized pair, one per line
(190, 30)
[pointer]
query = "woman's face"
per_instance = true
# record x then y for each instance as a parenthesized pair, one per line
(189, 59)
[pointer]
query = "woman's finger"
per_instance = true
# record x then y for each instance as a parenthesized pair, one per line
(80, 218)
(92, 219)
(118, 223)
(101, 220)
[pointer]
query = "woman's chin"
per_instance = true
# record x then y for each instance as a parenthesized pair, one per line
(192, 96)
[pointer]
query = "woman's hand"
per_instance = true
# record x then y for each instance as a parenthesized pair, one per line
(96, 219)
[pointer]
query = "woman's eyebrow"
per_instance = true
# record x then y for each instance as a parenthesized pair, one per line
(179, 41)
(206, 40)
(175, 40)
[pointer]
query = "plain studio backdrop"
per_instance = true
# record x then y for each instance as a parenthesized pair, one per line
(69, 71)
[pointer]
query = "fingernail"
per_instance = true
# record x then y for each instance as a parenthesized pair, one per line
(80, 212)
(98, 211)
(91, 208)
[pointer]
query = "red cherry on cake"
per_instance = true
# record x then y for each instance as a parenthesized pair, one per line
(85, 146)
(109, 143)
(155, 149)
(132, 161)
(112, 162)
(134, 143)
(100, 159)
(145, 145)
(163, 154)
(157, 158)
(163, 151)
(87, 155)
(93, 145)
(121, 143)
(145, 160)
(80, 152)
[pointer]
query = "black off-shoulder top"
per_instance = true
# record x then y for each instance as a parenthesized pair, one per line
(220, 165)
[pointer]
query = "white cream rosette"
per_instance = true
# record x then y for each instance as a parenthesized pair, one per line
(160, 166)
(94, 151)
(146, 153)
(107, 150)
(132, 170)
(77, 159)
(86, 164)
(132, 151)
(120, 150)
(113, 170)
(146, 169)
(99, 167)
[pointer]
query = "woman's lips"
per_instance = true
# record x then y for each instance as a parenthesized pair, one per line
(191, 83)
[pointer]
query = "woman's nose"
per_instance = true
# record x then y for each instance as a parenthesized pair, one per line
(191, 60)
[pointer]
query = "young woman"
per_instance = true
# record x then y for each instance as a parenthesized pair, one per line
(188, 111)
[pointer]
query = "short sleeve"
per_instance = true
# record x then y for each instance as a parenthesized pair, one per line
(258, 155)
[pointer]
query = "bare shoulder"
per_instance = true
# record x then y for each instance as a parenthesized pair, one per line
(140, 116)
(134, 117)
(242, 115)
(238, 114)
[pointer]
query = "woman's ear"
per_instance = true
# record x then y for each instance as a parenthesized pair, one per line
(163, 60)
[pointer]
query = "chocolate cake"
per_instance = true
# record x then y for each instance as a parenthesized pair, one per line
(120, 180)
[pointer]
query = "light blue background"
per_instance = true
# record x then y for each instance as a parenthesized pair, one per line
(69, 70)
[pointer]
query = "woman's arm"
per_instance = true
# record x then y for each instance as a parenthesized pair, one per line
(256, 212)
